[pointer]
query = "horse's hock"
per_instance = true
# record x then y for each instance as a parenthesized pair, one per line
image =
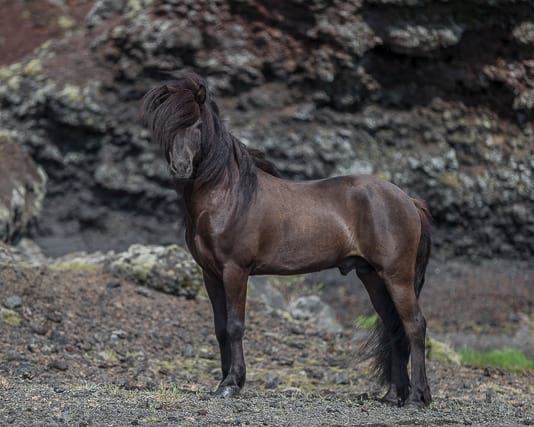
(22, 189)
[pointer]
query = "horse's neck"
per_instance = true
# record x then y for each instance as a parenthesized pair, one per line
(211, 198)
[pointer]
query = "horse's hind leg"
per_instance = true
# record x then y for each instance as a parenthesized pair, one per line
(217, 297)
(404, 297)
(394, 352)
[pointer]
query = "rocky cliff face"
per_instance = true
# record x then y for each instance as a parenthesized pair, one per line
(437, 97)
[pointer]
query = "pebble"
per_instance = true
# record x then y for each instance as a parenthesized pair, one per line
(39, 328)
(12, 301)
(342, 379)
(113, 285)
(54, 316)
(188, 351)
(144, 291)
(57, 364)
(13, 356)
(271, 381)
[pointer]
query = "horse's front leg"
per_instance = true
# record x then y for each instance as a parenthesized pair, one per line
(235, 287)
(215, 289)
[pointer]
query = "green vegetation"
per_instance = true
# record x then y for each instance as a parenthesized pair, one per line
(509, 359)
(442, 352)
(10, 317)
(366, 323)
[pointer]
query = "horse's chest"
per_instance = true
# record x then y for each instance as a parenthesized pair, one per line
(202, 252)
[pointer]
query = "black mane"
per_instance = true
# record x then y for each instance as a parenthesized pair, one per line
(181, 103)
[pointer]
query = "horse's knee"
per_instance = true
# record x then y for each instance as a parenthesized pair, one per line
(235, 330)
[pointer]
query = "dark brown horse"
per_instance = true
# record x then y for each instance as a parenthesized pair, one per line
(242, 220)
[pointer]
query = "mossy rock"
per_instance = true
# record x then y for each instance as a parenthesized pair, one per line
(169, 269)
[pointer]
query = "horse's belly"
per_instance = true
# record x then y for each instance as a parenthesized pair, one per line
(302, 255)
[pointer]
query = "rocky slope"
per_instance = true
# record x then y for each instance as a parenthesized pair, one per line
(90, 348)
(437, 97)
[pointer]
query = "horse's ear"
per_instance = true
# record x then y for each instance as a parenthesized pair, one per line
(200, 95)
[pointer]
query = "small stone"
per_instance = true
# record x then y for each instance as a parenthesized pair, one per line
(113, 285)
(188, 351)
(118, 333)
(54, 316)
(342, 378)
(271, 381)
(57, 364)
(296, 329)
(69, 348)
(144, 291)
(38, 328)
(12, 301)
(13, 356)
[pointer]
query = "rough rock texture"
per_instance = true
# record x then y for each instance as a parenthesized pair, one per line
(437, 97)
(312, 309)
(22, 189)
(169, 269)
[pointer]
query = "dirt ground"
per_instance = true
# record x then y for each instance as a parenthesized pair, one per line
(87, 349)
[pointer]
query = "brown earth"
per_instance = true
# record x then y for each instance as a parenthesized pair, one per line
(94, 350)
(26, 25)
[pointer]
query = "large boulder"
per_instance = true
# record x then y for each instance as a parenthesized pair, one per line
(22, 189)
(169, 269)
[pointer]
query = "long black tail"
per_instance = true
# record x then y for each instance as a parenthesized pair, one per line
(423, 253)
(379, 346)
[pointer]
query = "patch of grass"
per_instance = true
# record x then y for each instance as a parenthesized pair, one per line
(169, 393)
(509, 359)
(366, 323)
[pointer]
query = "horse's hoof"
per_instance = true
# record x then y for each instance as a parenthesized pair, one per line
(392, 398)
(227, 391)
(415, 404)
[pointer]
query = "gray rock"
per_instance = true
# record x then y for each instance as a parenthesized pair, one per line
(22, 189)
(260, 290)
(313, 310)
(271, 381)
(169, 269)
(12, 301)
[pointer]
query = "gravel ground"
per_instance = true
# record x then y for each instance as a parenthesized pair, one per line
(87, 349)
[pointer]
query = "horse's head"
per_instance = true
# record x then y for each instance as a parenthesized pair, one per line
(174, 114)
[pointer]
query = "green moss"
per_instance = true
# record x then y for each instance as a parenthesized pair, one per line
(509, 359)
(109, 357)
(75, 266)
(33, 68)
(71, 93)
(366, 323)
(386, 176)
(13, 83)
(450, 180)
(5, 73)
(442, 352)
(66, 22)
(10, 317)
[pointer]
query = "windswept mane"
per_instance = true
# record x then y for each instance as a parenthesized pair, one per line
(185, 102)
